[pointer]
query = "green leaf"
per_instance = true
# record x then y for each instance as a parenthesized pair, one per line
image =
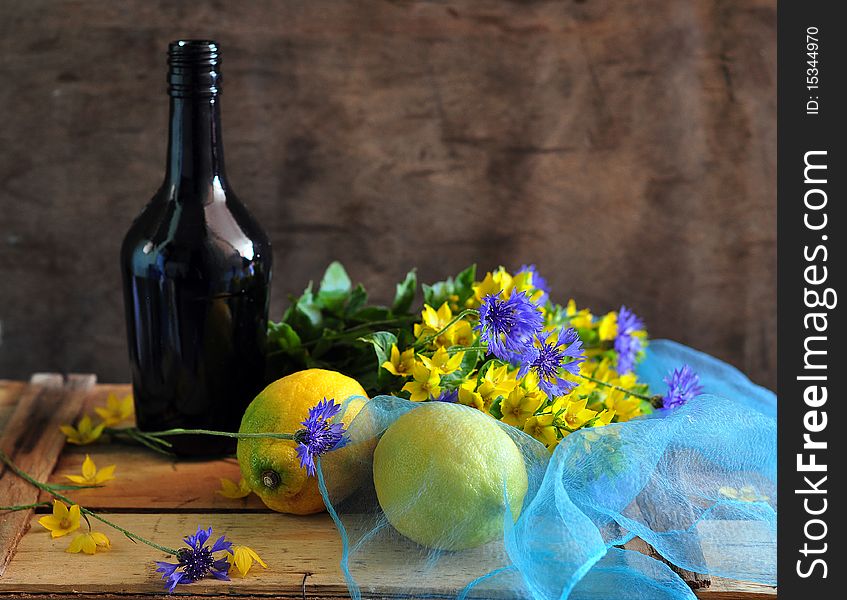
(335, 287)
(281, 336)
(358, 299)
(405, 293)
(382, 342)
(436, 294)
(371, 313)
(463, 286)
(304, 316)
(495, 409)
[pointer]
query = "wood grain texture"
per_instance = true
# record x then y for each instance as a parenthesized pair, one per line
(626, 148)
(31, 439)
(292, 547)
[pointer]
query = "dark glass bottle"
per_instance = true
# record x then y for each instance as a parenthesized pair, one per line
(196, 274)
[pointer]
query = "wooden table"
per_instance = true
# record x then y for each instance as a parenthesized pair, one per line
(165, 500)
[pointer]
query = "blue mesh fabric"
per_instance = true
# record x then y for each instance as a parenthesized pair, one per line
(697, 484)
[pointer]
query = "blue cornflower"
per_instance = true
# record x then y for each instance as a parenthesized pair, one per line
(683, 385)
(548, 358)
(196, 561)
(448, 396)
(319, 435)
(538, 282)
(627, 345)
(505, 325)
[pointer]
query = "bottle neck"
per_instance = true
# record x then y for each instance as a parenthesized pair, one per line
(195, 147)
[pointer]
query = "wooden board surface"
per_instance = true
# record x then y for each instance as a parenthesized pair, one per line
(292, 546)
(166, 499)
(31, 439)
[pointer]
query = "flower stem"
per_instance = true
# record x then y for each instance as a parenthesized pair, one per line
(617, 387)
(45, 487)
(361, 327)
(22, 506)
(465, 313)
(454, 349)
(230, 434)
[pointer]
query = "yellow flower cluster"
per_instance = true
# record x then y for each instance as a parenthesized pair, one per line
(116, 411)
(66, 520)
(445, 362)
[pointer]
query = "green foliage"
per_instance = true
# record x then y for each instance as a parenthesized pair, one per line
(335, 328)
(461, 287)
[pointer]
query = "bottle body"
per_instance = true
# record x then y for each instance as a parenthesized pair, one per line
(196, 276)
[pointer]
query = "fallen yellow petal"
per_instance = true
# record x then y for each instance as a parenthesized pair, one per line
(230, 489)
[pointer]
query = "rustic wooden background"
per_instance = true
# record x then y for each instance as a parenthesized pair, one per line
(627, 148)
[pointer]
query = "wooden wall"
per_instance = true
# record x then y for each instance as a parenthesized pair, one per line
(627, 148)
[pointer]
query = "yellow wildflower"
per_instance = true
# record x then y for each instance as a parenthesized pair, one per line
(493, 283)
(604, 418)
(518, 406)
(89, 543)
(541, 428)
(63, 520)
(498, 381)
(442, 362)
(434, 321)
(581, 319)
(626, 407)
(460, 334)
(230, 489)
(523, 282)
(84, 432)
(576, 415)
(241, 559)
(425, 384)
(608, 329)
(91, 475)
(400, 364)
(469, 396)
(115, 411)
(627, 381)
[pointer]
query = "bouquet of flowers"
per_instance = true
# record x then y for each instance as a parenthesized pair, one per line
(498, 343)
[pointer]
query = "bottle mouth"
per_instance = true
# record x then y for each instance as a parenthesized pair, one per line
(194, 68)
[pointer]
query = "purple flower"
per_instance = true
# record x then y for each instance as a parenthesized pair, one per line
(683, 385)
(505, 325)
(448, 396)
(547, 359)
(319, 435)
(538, 282)
(196, 561)
(627, 345)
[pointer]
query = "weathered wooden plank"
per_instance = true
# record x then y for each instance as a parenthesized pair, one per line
(292, 546)
(150, 481)
(33, 441)
(10, 392)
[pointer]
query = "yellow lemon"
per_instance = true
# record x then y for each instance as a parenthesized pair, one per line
(271, 467)
(444, 474)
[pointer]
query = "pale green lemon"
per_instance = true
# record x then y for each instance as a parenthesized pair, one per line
(444, 474)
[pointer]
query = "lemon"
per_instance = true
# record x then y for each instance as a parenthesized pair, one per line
(443, 473)
(271, 467)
